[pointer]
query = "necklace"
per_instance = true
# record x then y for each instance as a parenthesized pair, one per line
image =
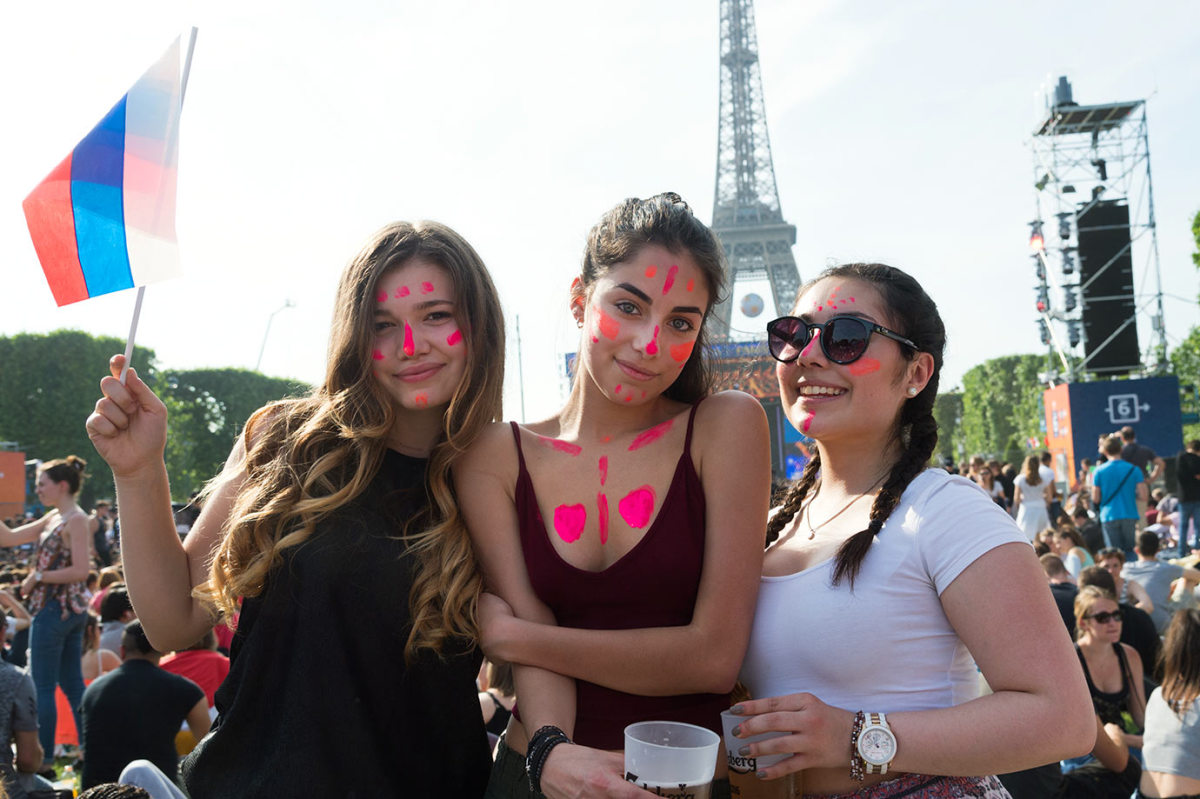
(812, 531)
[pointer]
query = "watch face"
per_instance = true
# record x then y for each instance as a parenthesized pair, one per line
(877, 746)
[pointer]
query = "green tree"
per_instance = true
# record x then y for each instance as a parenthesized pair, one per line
(50, 385)
(206, 410)
(1002, 406)
(948, 411)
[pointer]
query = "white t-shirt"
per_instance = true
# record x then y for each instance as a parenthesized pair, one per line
(1047, 475)
(887, 645)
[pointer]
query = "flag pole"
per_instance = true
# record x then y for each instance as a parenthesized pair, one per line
(141, 290)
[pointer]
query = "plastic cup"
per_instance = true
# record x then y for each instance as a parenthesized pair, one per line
(670, 758)
(743, 764)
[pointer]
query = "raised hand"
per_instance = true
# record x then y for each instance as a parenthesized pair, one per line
(129, 426)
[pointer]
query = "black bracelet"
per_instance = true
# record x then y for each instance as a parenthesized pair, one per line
(538, 750)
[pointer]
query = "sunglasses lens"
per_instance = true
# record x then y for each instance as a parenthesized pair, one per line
(845, 339)
(785, 338)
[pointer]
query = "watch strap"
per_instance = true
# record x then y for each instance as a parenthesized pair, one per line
(877, 720)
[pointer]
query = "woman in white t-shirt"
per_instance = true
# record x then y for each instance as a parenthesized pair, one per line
(1030, 499)
(887, 582)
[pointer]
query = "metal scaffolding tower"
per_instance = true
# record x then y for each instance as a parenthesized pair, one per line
(746, 213)
(1094, 193)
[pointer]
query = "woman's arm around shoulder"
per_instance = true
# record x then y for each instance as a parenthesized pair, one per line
(129, 429)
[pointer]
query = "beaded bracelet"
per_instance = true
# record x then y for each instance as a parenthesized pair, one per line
(857, 767)
(538, 750)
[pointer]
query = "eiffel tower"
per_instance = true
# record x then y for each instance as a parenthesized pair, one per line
(746, 214)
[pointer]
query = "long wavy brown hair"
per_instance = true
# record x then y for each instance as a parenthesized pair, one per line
(307, 457)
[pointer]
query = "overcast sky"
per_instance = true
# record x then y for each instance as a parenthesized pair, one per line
(900, 133)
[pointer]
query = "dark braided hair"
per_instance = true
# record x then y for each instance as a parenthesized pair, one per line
(914, 315)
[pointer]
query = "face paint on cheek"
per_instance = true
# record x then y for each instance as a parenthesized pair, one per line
(377, 355)
(637, 507)
(617, 390)
(806, 422)
(569, 521)
(681, 352)
(454, 338)
(864, 366)
(670, 281)
(426, 287)
(602, 506)
(651, 435)
(402, 291)
(605, 324)
(603, 468)
(651, 270)
(409, 347)
(652, 347)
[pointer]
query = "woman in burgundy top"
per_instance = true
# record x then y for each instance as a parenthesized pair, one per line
(622, 537)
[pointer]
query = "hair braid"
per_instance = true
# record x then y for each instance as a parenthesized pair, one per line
(793, 500)
(921, 435)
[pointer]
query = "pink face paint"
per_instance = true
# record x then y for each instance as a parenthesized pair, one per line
(602, 506)
(560, 445)
(651, 270)
(617, 390)
(569, 521)
(637, 507)
(595, 340)
(421, 400)
(812, 342)
(381, 297)
(851, 299)
(606, 439)
(864, 366)
(681, 352)
(454, 338)
(806, 422)
(605, 324)
(651, 435)
(691, 284)
(402, 291)
(377, 355)
(426, 287)
(819, 307)
(643, 395)
(603, 468)
(409, 348)
(629, 397)
(670, 281)
(652, 347)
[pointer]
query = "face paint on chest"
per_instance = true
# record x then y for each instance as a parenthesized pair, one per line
(603, 468)
(637, 507)
(569, 521)
(650, 436)
(559, 445)
(864, 366)
(409, 347)
(602, 506)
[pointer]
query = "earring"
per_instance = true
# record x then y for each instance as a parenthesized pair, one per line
(912, 391)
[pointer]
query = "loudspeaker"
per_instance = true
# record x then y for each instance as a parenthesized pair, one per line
(1106, 272)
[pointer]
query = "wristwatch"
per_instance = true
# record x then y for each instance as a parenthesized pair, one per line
(37, 576)
(876, 744)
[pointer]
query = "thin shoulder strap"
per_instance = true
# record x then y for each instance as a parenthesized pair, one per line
(516, 428)
(687, 441)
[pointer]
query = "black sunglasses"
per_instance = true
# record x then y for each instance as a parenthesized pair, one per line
(844, 339)
(1105, 618)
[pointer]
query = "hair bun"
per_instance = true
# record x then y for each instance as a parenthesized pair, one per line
(77, 463)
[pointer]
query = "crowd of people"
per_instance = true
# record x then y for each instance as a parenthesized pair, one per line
(617, 562)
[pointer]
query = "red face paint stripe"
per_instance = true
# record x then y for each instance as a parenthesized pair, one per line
(454, 338)
(560, 445)
(652, 347)
(603, 468)
(409, 347)
(377, 355)
(602, 503)
(607, 326)
(651, 435)
(670, 281)
(864, 366)
(691, 284)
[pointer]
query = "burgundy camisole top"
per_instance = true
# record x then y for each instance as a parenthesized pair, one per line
(654, 585)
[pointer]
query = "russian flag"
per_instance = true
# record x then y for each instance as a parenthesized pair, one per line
(104, 219)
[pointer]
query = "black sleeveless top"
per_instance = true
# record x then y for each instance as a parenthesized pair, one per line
(1109, 706)
(319, 700)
